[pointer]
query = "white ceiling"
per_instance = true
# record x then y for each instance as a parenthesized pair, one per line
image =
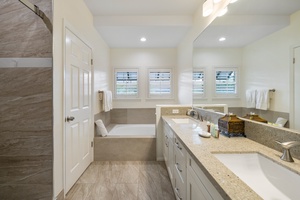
(165, 22)
(122, 23)
(248, 21)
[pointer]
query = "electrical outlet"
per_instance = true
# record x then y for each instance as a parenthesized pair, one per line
(175, 111)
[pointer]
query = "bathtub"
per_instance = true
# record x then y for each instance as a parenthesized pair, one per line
(126, 142)
(132, 130)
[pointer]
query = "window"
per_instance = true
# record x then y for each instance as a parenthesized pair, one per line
(226, 82)
(160, 83)
(198, 83)
(126, 83)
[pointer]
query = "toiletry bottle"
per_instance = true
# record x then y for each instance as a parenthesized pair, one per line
(208, 126)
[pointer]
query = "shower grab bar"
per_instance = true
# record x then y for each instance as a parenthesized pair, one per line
(38, 12)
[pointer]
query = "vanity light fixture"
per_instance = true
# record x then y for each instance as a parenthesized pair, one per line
(143, 39)
(208, 7)
(223, 12)
(221, 39)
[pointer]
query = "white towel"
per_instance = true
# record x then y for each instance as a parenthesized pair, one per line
(107, 100)
(262, 99)
(250, 98)
(100, 128)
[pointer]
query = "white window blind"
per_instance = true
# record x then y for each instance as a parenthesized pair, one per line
(198, 83)
(226, 82)
(160, 84)
(126, 83)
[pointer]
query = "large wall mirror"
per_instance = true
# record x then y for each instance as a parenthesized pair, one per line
(251, 48)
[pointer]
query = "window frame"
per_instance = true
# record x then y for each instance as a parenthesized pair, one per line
(161, 96)
(120, 96)
(199, 96)
(237, 85)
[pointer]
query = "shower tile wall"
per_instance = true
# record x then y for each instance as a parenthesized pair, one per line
(26, 111)
(22, 33)
(26, 154)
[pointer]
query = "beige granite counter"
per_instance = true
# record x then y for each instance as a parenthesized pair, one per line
(202, 149)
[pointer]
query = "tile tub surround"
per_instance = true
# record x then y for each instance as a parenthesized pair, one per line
(118, 180)
(26, 153)
(133, 116)
(124, 149)
(225, 181)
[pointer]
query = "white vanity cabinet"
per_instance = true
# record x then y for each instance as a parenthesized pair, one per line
(188, 180)
(168, 151)
(179, 170)
(198, 185)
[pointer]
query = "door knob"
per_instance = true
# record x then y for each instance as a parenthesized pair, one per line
(70, 118)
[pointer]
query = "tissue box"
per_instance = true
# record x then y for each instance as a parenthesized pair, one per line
(231, 125)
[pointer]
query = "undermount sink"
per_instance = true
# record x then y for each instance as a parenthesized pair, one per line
(183, 120)
(267, 178)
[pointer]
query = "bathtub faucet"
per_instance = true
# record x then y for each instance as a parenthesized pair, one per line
(286, 155)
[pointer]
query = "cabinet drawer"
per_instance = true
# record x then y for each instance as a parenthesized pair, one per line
(178, 145)
(180, 161)
(179, 187)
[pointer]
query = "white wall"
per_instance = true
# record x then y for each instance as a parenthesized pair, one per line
(267, 64)
(78, 16)
(208, 58)
(185, 52)
(143, 59)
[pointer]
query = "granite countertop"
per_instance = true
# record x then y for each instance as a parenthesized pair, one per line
(202, 149)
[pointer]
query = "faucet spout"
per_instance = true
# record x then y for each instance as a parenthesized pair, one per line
(286, 155)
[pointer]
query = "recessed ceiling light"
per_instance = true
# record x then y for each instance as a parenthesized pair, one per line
(221, 39)
(143, 39)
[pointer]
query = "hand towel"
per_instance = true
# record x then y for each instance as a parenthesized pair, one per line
(262, 99)
(100, 128)
(107, 100)
(250, 98)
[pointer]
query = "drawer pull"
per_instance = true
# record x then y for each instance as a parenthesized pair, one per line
(177, 166)
(177, 144)
(167, 145)
(177, 193)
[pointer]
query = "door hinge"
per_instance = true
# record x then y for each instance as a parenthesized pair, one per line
(92, 144)
(92, 61)
(294, 60)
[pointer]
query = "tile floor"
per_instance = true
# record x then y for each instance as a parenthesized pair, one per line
(123, 180)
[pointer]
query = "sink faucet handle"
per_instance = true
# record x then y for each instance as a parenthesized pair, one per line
(286, 155)
(288, 145)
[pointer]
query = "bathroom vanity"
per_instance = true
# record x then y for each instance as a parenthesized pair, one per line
(195, 171)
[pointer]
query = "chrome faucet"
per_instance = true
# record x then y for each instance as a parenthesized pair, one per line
(193, 113)
(286, 155)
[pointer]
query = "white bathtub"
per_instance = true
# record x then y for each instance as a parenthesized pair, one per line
(133, 131)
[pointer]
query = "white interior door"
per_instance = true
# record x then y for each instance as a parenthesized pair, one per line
(78, 123)
(297, 88)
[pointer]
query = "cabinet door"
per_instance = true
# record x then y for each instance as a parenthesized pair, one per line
(170, 163)
(166, 148)
(195, 189)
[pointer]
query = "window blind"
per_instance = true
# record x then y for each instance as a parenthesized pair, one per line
(159, 83)
(226, 82)
(126, 83)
